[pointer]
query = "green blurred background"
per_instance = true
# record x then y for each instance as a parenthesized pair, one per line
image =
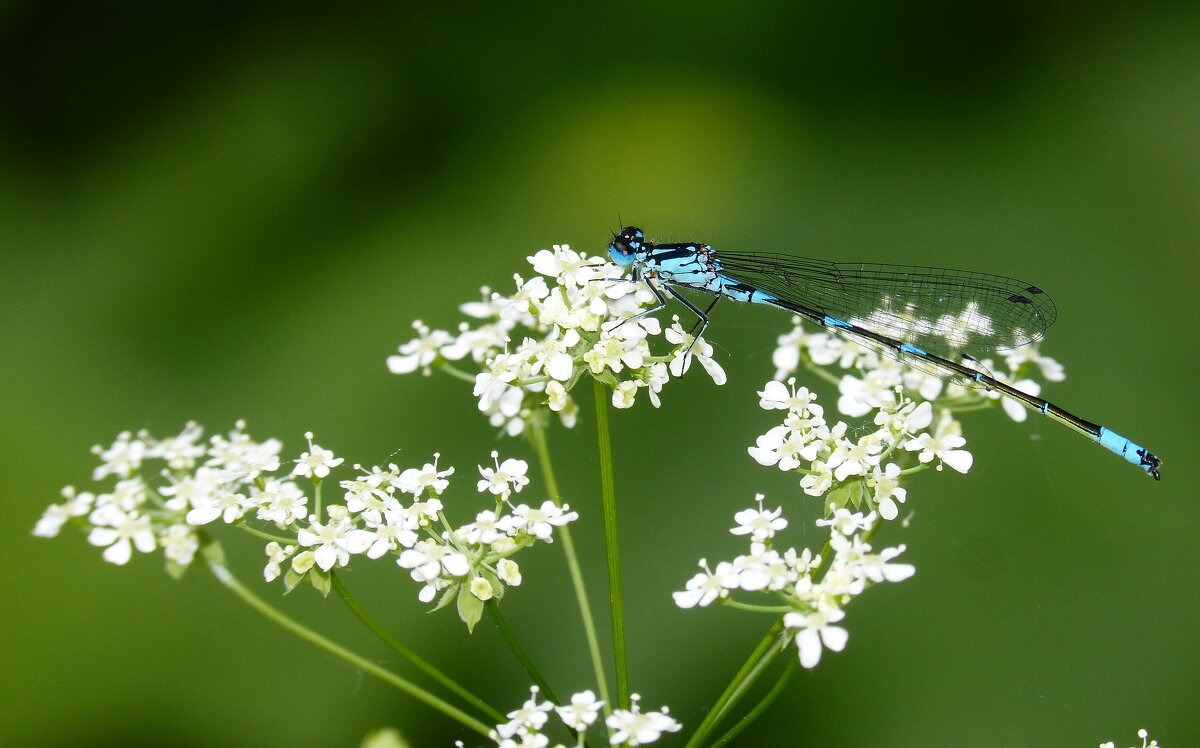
(228, 210)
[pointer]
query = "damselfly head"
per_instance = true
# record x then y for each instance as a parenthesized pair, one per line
(626, 244)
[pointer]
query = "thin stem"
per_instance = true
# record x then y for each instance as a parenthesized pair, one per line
(214, 557)
(731, 603)
(494, 609)
(266, 535)
(822, 373)
(424, 665)
(316, 512)
(538, 435)
(761, 706)
(608, 502)
(746, 674)
(531, 380)
(456, 372)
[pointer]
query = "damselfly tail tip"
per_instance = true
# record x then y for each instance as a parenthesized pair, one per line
(1150, 463)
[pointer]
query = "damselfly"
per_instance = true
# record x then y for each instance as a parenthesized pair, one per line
(902, 311)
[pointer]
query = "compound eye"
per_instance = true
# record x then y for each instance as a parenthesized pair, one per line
(628, 241)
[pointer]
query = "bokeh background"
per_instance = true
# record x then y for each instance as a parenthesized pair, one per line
(222, 210)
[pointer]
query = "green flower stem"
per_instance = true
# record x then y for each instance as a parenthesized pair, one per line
(537, 434)
(762, 705)
(820, 372)
(266, 535)
(214, 557)
(609, 503)
(531, 380)
(456, 372)
(766, 651)
(316, 512)
(493, 608)
(731, 603)
(422, 664)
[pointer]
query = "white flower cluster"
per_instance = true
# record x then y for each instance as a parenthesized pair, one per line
(235, 479)
(912, 412)
(628, 727)
(815, 592)
(576, 316)
(856, 469)
(829, 459)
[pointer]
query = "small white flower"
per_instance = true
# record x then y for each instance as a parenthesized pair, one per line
(758, 569)
(860, 396)
(493, 384)
(910, 419)
(121, 459)
(556, 396)
(633, 727)
(241, 458)
(415, 482)
(482, 588)
(850, 458)
(541, 521)
(303, 561)
(613, 352)
(705, 588)
(581, 712)
(785, 447)
(487, 528)
(531, 717)
(759, 523)
(508, 572)
(878, 567)
(420, 352)
(946, 449)
(192, 490)
(776, 396)
(276, 555)
(885, 486)
(508, 476)
(820, 481)
(623, 395)
(316, 462)
(1049, 368)
(180, 544)
(223, 503)
(570, 267)
(814, 630)
(121, 532)
(56, 515)
(427, 560)
(181, 451)
(335, 541)
(395, 528)
(847, 523)
(281, 502)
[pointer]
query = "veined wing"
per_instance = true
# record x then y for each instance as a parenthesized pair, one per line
(936, 309)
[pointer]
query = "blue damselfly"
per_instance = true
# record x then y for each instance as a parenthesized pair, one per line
(894, 309)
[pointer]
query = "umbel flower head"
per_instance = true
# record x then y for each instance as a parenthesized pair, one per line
(576, 316)
(910, 411)
(905, 425)
(164, 494)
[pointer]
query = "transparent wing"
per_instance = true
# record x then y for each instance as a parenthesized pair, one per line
(937, 309)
